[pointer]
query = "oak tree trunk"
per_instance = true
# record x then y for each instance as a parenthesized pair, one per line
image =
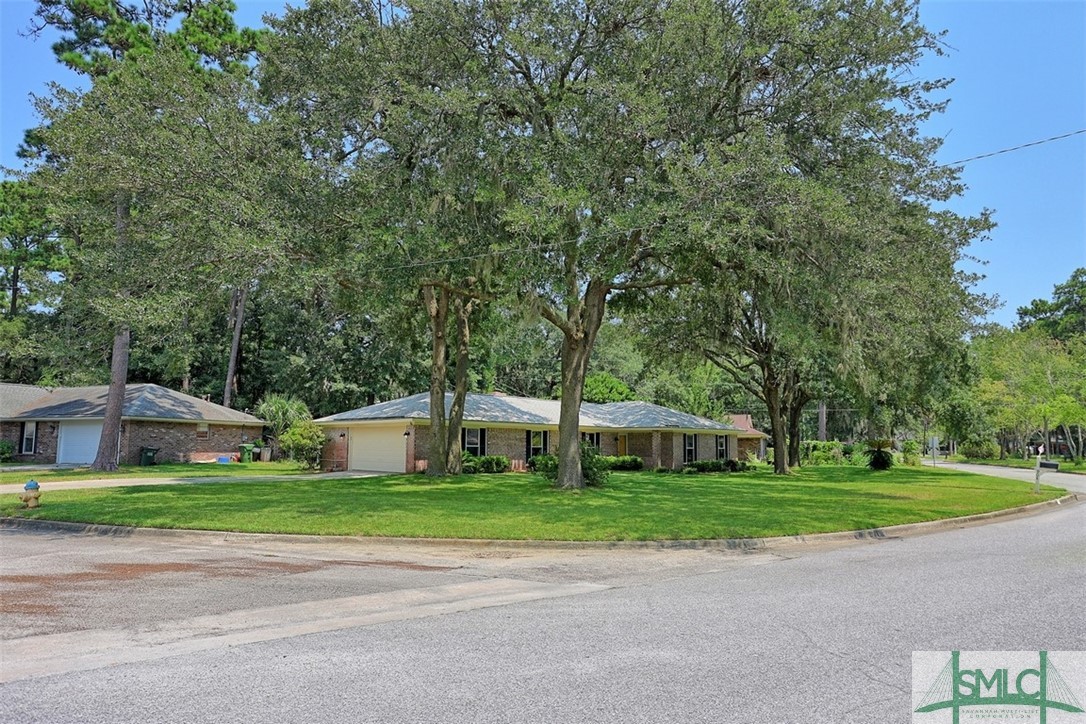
(462, 311)
(579, 331)
(777, 425)
(437, 310)
(795, 414)
(797, 401)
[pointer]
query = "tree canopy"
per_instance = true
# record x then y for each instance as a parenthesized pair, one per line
(702, 203)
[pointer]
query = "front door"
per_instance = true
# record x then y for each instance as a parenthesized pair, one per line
(622, 444)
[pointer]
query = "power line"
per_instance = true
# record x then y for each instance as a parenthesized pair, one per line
(1015, 148)
(555, 244)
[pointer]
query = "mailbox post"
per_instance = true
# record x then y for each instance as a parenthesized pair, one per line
(1043, 466)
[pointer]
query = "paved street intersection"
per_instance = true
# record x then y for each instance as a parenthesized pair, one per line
(211, 628)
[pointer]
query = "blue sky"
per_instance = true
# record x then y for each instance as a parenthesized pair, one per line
(1020, 76)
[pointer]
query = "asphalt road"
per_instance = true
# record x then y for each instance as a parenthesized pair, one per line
(204, 629)
(1070, 481)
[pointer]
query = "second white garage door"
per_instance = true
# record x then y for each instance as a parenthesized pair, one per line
(79, 441)
(378, 448)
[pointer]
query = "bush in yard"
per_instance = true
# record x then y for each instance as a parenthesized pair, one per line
(858, 458)
(302, 442)
(662, 469)
(623, 462)
(279, 413)
(593, 467)
(880, 454)
(910, 452)
(818, 452)
(979, 449)
(716, 466)
(7, 451)
(493, 464)
(545, 464)
(469, 464)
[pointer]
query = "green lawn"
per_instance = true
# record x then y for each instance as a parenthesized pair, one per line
(1065, 466)
(170, 470)
(632, 506)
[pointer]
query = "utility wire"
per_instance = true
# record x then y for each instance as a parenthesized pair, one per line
(552, 245)
(1015, 148)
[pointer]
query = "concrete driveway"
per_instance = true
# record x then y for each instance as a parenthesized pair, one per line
(215, 628)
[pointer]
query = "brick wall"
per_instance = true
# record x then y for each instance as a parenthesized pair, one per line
(499, 441)
(45, 449)
(507, 442)
(334, 452)
(706, 447)
(418, 448)
(655, 448)
(640, 444)
(664, 450)
(177, 441)
(750, 447)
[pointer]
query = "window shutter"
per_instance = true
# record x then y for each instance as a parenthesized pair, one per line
(482, 441)
(463, 439)
(527, 445)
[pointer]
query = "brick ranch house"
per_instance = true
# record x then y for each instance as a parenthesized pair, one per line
(394, 436)
(64, 424)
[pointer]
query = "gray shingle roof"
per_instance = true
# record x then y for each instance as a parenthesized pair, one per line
(15, 397)
(140, 401)
(498, 409)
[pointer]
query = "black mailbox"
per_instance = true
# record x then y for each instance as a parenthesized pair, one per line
(1048, 465)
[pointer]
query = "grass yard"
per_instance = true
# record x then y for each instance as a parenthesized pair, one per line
(632, 506)
(168, 470)
(1065, 465)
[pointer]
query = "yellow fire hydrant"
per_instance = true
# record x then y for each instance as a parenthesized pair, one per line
(31, 493)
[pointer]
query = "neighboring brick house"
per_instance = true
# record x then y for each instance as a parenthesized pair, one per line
(394, 436)
(751, 440)
(63, 425)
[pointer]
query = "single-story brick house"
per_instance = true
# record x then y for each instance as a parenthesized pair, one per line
(64, 424)
(394, 436)
(752, 441)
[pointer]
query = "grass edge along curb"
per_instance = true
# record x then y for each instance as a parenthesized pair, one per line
(741, 545)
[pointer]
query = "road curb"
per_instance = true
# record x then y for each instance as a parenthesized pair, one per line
(724, 544)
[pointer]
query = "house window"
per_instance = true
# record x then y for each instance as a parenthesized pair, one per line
(592, 438)
(721, 447)
(690, 448)
(29, 438)
(473, 440)
(203, 431)
(536, 442)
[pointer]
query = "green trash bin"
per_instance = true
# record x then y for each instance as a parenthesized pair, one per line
(147, 455)
(246, 452)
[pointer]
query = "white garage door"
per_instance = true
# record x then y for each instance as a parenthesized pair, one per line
(79, 441)
(378, 448)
